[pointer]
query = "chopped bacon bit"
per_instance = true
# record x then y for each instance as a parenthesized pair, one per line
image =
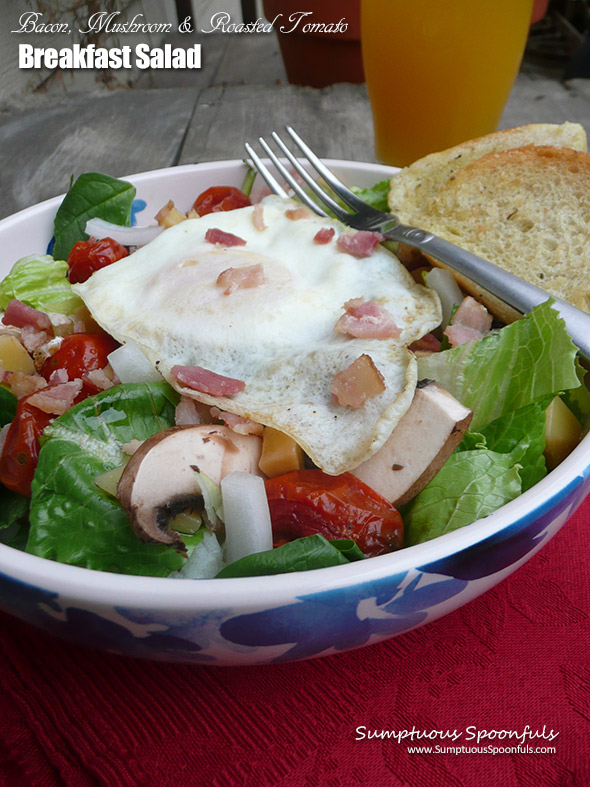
(324, 235)
(471, 321)
(426, 345)
(359, 244)
(43, 351)
(258, 218)
(22, 384)
(208, 382)
(56, 399)
(217, 236)
(367, 320)
(359, 382)
(58, 376)
(473, 314)
(19, 314)
(233, 279)
(461, 334)
(168, 216)
(237, 423)
(298, 213)
(98, 378)
(186, 413)
(33, 338)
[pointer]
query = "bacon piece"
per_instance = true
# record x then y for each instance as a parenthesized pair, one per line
(217, 236)
(56, 399)
(206, 381)
(298, 213)
(367, 320)
(19, 314)
(474, 315)
(33, 339)
(461, 334)
(324, 235)
(169, 215)
(471, 321)
(98, 378)
(233, 279)
(237, 423)
(426, 345)
(22, 384)
(357, 383)
(258, 218)
(359, 244)
(58, 376)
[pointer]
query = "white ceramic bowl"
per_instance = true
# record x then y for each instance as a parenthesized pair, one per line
(277, 618)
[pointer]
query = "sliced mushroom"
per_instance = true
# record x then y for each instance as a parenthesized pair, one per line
(160, 478)
(418, 447)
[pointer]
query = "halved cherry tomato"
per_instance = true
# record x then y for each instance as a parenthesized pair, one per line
(21, 449)
(80, 353)
(88, 256)
(305, 502)
(220, 198)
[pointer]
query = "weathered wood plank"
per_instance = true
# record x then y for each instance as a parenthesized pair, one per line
(336, 120)
(540, 99)
(119, 133)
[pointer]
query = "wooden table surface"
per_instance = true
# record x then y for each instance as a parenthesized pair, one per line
(241, 92)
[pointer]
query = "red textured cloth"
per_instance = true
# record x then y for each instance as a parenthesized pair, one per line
(515, 658)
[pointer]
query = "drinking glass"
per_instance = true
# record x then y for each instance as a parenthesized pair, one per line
(439, 72)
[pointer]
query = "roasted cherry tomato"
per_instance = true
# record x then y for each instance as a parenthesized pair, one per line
(79, 354)
(220, 198)
(88, 256)
(305, 502)
(21, 449)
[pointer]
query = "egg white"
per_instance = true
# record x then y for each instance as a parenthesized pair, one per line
(279, 336)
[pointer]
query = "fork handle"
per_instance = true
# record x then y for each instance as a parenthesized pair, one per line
(517, 293)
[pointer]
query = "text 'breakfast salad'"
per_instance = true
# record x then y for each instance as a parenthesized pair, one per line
(249, 388)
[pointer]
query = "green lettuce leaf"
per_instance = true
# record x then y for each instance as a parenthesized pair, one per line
(7, 406)
(12, 507)
(41, 282)
(92, 195)
(472, 484)
(73, 521)
(302, 554)
(507, 369)
(376, 195)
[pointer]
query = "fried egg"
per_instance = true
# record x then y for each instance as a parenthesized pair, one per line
(278, 337)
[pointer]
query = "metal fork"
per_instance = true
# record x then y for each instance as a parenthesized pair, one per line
(517, 293)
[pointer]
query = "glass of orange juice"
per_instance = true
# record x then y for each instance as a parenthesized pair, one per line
(439, 72)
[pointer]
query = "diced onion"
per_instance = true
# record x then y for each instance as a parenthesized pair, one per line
(205, 562)
(127, 236)
(131, 366)
(247, 517)
(443, 282)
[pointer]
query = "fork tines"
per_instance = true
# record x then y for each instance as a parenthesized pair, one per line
(295, 183)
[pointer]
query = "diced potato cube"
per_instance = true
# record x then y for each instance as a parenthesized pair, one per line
(169, 215)
(562, 432)
(280, 453)
(14, 357)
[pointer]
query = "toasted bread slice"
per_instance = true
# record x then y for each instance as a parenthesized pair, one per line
(527, 210)
(413, 187)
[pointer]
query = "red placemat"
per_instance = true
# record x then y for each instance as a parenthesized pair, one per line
(509, 665)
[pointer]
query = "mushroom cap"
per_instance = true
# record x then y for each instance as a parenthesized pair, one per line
(161, 476)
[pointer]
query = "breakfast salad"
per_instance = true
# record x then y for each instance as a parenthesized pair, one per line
(249, 388)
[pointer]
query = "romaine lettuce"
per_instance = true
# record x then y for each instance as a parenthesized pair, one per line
(73, 521)
(507, 369)
(40, 282)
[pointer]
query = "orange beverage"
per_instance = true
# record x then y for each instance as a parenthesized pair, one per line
(439, 72)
